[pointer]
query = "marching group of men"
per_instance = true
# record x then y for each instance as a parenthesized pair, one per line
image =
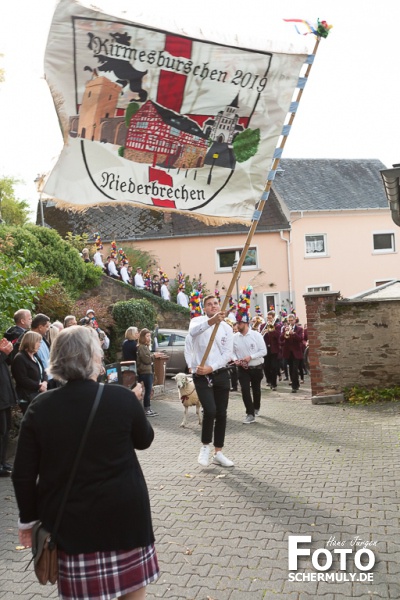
(248, 352)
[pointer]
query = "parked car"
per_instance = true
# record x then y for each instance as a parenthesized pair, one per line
(172, 342)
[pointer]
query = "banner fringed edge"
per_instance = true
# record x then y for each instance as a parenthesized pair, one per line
(206, 219)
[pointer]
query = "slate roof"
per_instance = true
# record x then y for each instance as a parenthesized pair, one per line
(386, 291)
(308, 184)
(125, 223)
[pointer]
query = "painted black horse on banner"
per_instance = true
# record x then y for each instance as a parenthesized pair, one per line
(122, 69)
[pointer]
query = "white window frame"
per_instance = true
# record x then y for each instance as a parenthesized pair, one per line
(391, 250)
(315, 254)
(237, 250)
(311, 288)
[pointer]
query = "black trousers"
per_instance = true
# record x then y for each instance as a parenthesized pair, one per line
(250, 382)
(271, 368)
(5, 426)
(213, 393)
(294, 371)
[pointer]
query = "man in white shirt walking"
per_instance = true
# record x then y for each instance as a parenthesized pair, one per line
(211, 380)
(124, 271)
(139, 281)
(249, 350)
(165, 293)
(181, 298)
(112, 268)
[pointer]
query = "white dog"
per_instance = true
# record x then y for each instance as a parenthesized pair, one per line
(187, 395)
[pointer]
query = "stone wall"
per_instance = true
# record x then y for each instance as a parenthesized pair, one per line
(352, 342)
(112, 291)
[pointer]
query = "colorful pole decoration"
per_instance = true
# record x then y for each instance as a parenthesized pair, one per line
(271, 176)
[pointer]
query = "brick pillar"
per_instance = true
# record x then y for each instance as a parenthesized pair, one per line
(322, 339)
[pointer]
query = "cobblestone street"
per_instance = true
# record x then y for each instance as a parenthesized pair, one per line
(329, 471)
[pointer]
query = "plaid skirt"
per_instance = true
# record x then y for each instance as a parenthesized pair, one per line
(105, 575)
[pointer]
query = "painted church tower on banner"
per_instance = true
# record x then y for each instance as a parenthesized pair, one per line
(224, 128)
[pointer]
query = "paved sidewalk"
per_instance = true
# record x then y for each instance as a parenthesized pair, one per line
(222, 534)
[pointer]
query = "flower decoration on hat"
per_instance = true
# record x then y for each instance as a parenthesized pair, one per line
(195, 304)
(97, 241)
(163, 276)
(283, 312)
(243, 307)
(232, 304)
(181, 281)
(113, 252)
(122, 256)
(217, 294)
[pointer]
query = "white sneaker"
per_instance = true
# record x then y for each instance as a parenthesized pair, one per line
(249, 419)
(220, 459)
(204, 456)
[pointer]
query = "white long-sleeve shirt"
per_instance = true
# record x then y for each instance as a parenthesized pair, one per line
(112, 269)
(182, 299)
(251, 344)
(98, 261)
(188, 351)
(165, 295)
(139, 281)
(124, 274)
(222, 348)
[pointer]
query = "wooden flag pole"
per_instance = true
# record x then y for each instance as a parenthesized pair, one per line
(260, 207)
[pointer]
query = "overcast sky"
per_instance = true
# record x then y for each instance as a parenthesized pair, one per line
(349, 108)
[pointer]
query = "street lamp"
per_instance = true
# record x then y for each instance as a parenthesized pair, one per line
(215, 156)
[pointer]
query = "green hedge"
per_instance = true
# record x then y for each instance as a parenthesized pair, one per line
(50, 255)
(134, 313)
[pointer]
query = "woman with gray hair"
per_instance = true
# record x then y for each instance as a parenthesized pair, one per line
(105, 541)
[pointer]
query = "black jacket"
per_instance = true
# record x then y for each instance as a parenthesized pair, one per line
(27, 375)
(8, 397)
(108, 506)
(13, 333)
(129, 349)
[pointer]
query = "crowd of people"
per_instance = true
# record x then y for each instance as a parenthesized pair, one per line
(24, 364)
(53, 372)
(244, 350)
(116, 265)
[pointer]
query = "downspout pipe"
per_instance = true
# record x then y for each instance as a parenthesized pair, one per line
(289, 266)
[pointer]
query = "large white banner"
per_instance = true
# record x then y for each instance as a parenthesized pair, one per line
(161, 119)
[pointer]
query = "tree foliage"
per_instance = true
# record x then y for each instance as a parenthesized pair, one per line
(50, 255)
(79, 242)
(131, 110)
(17, 290)
(246, 144)
(13, 211)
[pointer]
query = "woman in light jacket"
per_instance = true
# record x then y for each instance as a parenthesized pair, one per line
(105, 541)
